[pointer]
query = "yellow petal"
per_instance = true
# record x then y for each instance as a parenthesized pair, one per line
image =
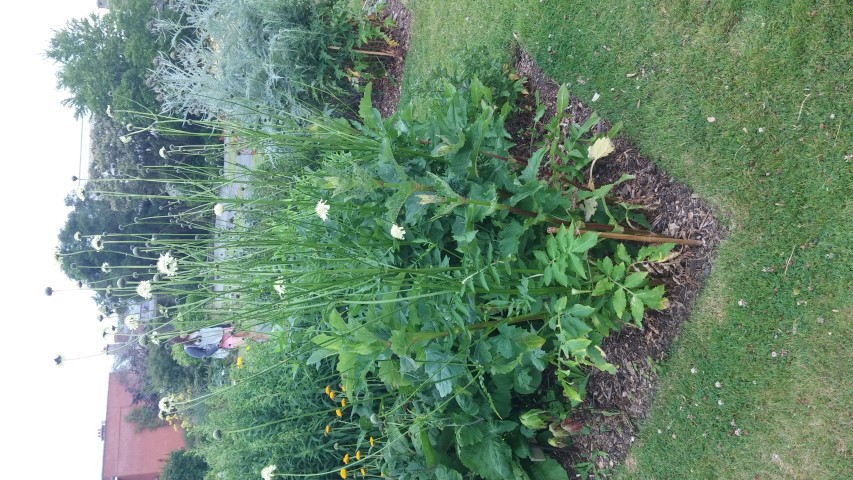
(343, 402)
(328, 390)
(358, 454)
(371, 441)
(346, 459)
(601, 148)
(343, 473)
(338, 412)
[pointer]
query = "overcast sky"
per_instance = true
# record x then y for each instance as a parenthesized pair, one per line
(51, 414)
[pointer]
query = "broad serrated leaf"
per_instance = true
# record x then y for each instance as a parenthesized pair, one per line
(574, 327)
(336, 322)
(400, 342)
(547, 275)
(319, 354)
(635, 279)
(619, 302)
(622, 254)
(509, 238)
(560, 275)
(571, 393)
(607, 263)
(327, 341)
(596, 356)
(584, 242)
(389, 372)
(491, 458)
(446, 473)
(441, 187)
(467, 404)
(577, 265)
(366, 110)
(550, 469)
(577, 345)
(395, 202)
(531, 171)
(637, 310)
(581, 311)
(470, 434)
(551, 246)
(523, 382)
(601, 287)
(653, 298)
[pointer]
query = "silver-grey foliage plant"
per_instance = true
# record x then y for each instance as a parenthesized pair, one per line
(237, 57)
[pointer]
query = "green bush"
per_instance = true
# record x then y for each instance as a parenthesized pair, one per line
(145, 418)
(184, 465)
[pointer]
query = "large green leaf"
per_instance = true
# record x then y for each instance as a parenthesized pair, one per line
(584, 242)
(619, 302)
(370, 116)
(550, 469)
(562, 99)
(490, 458)
(445, 473)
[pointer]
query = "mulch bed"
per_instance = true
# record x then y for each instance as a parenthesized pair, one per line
(615, 404)
(386, 89)
(672, 210)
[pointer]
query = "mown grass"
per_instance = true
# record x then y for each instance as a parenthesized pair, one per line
(775, 164)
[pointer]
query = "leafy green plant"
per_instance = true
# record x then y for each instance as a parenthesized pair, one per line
(438, 279)
(184, 465)
(145, 418)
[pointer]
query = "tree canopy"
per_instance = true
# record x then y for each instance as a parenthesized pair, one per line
(105, 60)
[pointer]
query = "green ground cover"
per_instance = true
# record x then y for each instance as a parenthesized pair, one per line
(773, 323)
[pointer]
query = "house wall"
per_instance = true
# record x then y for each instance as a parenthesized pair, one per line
(127, 454)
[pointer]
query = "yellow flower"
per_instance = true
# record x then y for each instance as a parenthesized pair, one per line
(328, 429)
(371, 441)
(363, 471)
(343, 402)
(358, 454)
(601, 148)
(338, 412)
(346, 459)
(343, 389)
(332, 395)
(343, 473)
(328, 390)
(239, 362)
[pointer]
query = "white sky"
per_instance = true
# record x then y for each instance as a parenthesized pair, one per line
(51, 414)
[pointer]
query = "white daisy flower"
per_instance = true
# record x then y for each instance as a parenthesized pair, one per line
(322, 210)
(398, 232)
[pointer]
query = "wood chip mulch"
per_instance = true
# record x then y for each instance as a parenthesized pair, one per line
(386, 88)
(672, 210)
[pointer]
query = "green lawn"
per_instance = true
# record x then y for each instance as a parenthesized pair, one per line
(775, 163)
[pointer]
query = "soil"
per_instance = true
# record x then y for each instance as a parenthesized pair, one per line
(615, 404)
(386, 88)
